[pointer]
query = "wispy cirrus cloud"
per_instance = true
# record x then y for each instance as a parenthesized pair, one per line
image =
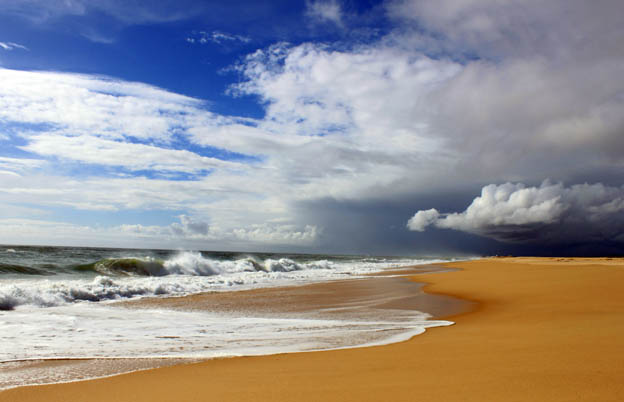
(94, 150)
(84, 16)
(12, 46)
(135, 12)
(18, 166)
(20, 163)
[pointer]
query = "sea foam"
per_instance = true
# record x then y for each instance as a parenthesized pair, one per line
(182, 274)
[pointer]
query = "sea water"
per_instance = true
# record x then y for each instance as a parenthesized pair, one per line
(60, 303)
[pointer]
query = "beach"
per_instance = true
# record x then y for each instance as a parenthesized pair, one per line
(541, 329)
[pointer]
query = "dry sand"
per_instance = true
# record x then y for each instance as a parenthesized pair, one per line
(541, 330)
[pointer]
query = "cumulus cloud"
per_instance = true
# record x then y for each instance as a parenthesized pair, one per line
(422, 219)
(371, 98)
(551, 212)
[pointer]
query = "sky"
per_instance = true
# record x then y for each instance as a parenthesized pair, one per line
(398, 127)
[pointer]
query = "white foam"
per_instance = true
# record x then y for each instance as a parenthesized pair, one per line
(187, 273)
(97, 331)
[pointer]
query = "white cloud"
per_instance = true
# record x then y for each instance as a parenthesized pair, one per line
(245, 139)
(12, 45)
(324, 10)
(138, 229)
(422, 219)
(95, 150)
(94, 120)
(104, 193)
(91, 105)
(550, 212)
(277, 234)
(314, 91)
(16, 166)
(192, 229)
(217, 37)
(13, 211)
(508, 205)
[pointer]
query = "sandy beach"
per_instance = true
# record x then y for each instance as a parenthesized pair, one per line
(531, 329)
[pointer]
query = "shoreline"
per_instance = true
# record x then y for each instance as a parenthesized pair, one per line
(543, 330)
(345, 300)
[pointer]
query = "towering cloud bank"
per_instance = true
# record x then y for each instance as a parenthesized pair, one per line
(549, 213)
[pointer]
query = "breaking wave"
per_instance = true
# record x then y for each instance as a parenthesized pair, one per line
(122, 278)
(194, 264)
(47, 278)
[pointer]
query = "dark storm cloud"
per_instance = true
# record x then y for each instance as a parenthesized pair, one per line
(543, 99)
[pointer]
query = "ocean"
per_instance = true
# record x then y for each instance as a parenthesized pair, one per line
(62, 304)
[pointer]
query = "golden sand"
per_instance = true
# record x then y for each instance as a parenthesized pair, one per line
(544, 330)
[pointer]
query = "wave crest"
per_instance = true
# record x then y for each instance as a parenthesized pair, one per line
(126, 266)
(195, 264)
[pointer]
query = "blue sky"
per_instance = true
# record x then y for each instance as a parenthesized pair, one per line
(397, 126)
(192, 53)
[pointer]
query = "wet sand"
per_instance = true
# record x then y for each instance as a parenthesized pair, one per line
(539, 329)
(365, 297)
